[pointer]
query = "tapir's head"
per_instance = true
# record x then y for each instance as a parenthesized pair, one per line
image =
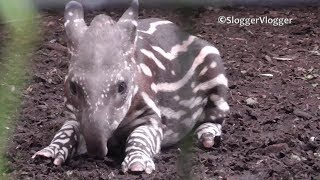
(100, 83)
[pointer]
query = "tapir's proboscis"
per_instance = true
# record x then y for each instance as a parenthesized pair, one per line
(140, 83)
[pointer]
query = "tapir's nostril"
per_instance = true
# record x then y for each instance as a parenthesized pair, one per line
(97, 152)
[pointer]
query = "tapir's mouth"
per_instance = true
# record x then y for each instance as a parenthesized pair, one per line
(97, 150)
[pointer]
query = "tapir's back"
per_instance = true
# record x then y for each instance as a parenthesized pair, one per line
(181, 66)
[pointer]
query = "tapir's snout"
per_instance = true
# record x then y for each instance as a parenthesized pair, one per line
(95, 134)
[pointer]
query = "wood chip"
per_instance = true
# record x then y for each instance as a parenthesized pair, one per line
(268, 58)
(302, 114)
(283, 58)
(267, 75)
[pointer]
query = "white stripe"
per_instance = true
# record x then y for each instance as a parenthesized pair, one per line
(66, 152)
(203, 71)
(129, 148)
(158, 147)
(144, 133)
(145, 69)
(149, 54)
(62, 141)
(197, 114)
(68, 132)
(70, 107)
(187, 103)
(196, 102)
(215, 97)
(214, 129)
(139, 112)
(170, 87)
(173, 53)
(150, 103)
(136, 154)
(219, 80)
(66, 23)
(153, 26)
(154, 87)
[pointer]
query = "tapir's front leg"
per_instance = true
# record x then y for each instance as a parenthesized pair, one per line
(142, 144)
(63, 145)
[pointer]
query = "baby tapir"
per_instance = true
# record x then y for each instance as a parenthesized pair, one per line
(144, 84)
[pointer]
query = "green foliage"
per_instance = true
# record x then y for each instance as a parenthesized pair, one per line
(18, 17)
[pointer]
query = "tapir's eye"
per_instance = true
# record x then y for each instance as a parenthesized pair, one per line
(73, 88)
(122, 87)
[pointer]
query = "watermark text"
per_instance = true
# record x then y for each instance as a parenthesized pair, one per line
(254, 20)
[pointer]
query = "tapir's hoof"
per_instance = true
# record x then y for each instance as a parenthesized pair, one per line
(207, 140)
(138, 163)
(49, 152)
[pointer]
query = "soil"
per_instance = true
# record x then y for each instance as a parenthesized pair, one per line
(273, 131)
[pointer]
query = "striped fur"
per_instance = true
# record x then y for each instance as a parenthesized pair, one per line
(174, 82)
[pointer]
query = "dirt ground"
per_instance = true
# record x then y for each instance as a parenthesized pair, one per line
(273, 131)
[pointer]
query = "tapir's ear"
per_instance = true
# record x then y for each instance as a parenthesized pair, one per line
(74, 22)
(129, 19)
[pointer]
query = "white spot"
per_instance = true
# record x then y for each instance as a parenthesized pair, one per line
(78, 20)
(213, 118)
(149, 54)
(145, 69)
(171, 114)
(70, 14)
(173, 73)
(219, 80)
(177, 98)
(153, 26)
(173, 53)
(150, 103)
(214, 98)
(170, 87)
(213, 64)
(130, 21)
(193, 84)
(130, 13)
(222, 105)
